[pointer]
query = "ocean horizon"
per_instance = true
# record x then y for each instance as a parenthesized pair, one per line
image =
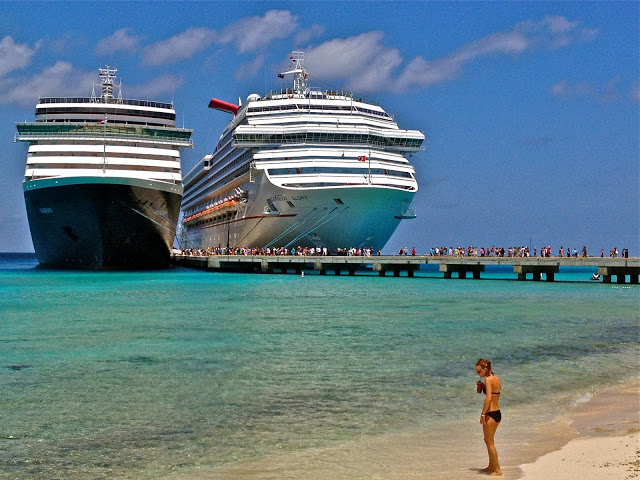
(180, 372)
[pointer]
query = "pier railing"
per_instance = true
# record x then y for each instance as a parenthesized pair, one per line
(537, 267)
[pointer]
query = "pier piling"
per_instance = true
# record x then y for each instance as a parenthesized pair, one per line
(462, 269)
(620, 272)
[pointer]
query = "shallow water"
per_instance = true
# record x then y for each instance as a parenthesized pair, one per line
(148, 374)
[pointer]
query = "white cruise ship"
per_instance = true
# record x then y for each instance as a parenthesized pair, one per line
(301, 167)
(103, 183)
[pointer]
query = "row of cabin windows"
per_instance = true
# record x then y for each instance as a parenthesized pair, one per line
(50, 128)
(110, 165)
(115, 101)
(335, 184)
(118, 121)
(333, 138)
(321, 108)
(105, 111)
(339, 170)
(218, 218)
(227, 178)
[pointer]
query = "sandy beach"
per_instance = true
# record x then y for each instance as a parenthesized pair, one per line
(599, 438)
(608, 446)
(598, 458)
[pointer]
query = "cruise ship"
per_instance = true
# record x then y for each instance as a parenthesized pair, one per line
(301, 167)
(103, 183)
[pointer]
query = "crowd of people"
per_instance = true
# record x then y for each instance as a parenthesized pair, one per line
(296, 251)
(482, 252)
(470, 251)
(545, 251)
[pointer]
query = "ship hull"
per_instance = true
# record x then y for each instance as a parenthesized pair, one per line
(117, 223)
(363, 216)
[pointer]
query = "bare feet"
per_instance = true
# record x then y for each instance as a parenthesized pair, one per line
(496, 473)
(487, 470)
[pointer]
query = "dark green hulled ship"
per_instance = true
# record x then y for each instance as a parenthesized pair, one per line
(103, 183)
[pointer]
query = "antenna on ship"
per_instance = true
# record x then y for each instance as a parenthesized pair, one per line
(107, 76)
(299, 73)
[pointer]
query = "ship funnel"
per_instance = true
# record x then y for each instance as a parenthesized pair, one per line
(223, 106)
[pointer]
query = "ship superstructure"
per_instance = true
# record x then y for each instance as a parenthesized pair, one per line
(302, 167)
(103, 181)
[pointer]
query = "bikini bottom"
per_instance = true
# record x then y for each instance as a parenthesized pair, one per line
(496, 415)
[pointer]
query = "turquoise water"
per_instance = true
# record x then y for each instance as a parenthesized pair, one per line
(148, 374)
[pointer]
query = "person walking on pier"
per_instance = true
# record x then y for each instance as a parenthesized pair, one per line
(491, 416)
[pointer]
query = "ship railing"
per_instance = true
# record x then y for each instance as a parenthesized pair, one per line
(313, 93)
(35, 131)
(318, 93)
(122, 101)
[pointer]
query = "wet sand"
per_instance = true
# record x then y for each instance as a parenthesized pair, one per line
(598, 437)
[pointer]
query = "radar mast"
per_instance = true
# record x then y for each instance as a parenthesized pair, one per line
(299, 73)
(107, 76)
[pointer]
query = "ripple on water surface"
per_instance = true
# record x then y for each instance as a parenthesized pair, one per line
(134, 375)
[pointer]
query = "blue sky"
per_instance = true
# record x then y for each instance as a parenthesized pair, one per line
(530, 109)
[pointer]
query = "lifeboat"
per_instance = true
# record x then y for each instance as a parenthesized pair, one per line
(228, 202)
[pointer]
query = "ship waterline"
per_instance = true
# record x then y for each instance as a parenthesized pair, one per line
(102, 222)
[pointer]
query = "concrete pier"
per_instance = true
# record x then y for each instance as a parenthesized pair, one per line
(461, 269)
(335, 264)
(536, 272)
(535, 267)
(382, 265)
(620, 272)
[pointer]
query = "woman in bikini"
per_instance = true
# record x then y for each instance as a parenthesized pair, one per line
(490, 417)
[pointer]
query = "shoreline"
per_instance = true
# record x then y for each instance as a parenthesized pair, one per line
(601, 422)
(608, 442)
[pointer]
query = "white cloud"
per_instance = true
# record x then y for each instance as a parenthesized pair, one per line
(555, 32)
(251, 68)
(423, 73)
(252, 33)
(560, 24)
(59, 80)
(162, 85)
(62, 79)
(366, 64)
(308, 33)
(71, 39)
(588, 34)
(607, 92)
(14, 56)
(180, 46)
(362, 61)
(247, 34)
(121, 40)
(564, 90)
